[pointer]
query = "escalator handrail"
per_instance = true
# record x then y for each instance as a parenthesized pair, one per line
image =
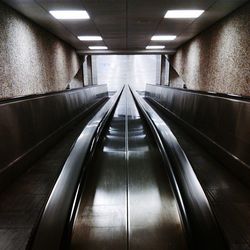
(203, 231)
(56, 215)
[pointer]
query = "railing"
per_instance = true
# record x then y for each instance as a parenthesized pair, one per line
(209, 93)
(201, 226)
(57, 215)
(220, 124)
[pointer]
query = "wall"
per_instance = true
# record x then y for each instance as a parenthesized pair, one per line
(218, 59)
(32, 60)
(117, 70)
(77, 81)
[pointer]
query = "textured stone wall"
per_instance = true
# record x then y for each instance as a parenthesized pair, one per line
(218, 59)
(32, 60)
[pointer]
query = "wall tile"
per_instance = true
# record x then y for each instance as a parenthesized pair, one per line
(218, 59)
(32, 60)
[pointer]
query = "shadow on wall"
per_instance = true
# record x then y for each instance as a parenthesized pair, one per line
(77, 81)
(175, 79)
(218, 58)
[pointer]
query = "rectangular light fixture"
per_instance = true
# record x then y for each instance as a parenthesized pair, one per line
(183, 13)
(163, 38)
(90, 38)
(98, 47)
(155, 47)
(69, 14)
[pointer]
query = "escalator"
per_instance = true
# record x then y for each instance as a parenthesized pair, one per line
(128, 202)
(127, 184)
(227, 194)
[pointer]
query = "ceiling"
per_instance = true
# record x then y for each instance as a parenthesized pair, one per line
(125, 25)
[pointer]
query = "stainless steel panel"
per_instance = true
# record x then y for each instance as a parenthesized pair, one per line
(228, 196)
(154, 218)
(50, 233)
(202, 228)
(128, 202)
(225, 120)
(26, 123)
(101, 219)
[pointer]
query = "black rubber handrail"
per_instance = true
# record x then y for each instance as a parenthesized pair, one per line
(57, 213)
(52, 93)
(208, 93)
(203, 231)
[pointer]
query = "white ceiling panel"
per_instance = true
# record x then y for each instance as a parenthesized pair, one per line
(125, 25)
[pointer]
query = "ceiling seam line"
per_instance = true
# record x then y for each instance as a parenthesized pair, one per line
(60, 24)
(179, 34)
(126, 13)
(156, 29)
(97, 29)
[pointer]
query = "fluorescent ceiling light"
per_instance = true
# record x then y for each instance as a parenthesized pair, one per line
(163, 38)
(98, 47)
(183, 13)
(69, 14)
(90, 38)
(155, 47)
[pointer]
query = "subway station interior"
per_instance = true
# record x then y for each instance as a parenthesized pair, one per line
(124, 125)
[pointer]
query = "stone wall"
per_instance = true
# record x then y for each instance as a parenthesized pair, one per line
(218, 58)
(32, 60)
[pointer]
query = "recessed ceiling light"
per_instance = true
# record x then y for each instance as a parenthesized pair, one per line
(69, 14)
(163, 38)
(98, 47)
(90, 38)
(183, 13)
(155, 47)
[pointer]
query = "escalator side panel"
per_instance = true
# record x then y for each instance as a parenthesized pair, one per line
(153, 211)
(101, 220)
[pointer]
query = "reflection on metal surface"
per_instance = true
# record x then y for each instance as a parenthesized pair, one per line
(154, 217)
(30, 125)
(101, 219)
(201, 225)
(223, 121)
(53, 224)
(128, 202)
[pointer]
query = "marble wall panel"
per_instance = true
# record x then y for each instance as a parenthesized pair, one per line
(32, 60)
(218, 59)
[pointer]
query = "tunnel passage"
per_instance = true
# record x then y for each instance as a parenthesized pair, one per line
(86, 163)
